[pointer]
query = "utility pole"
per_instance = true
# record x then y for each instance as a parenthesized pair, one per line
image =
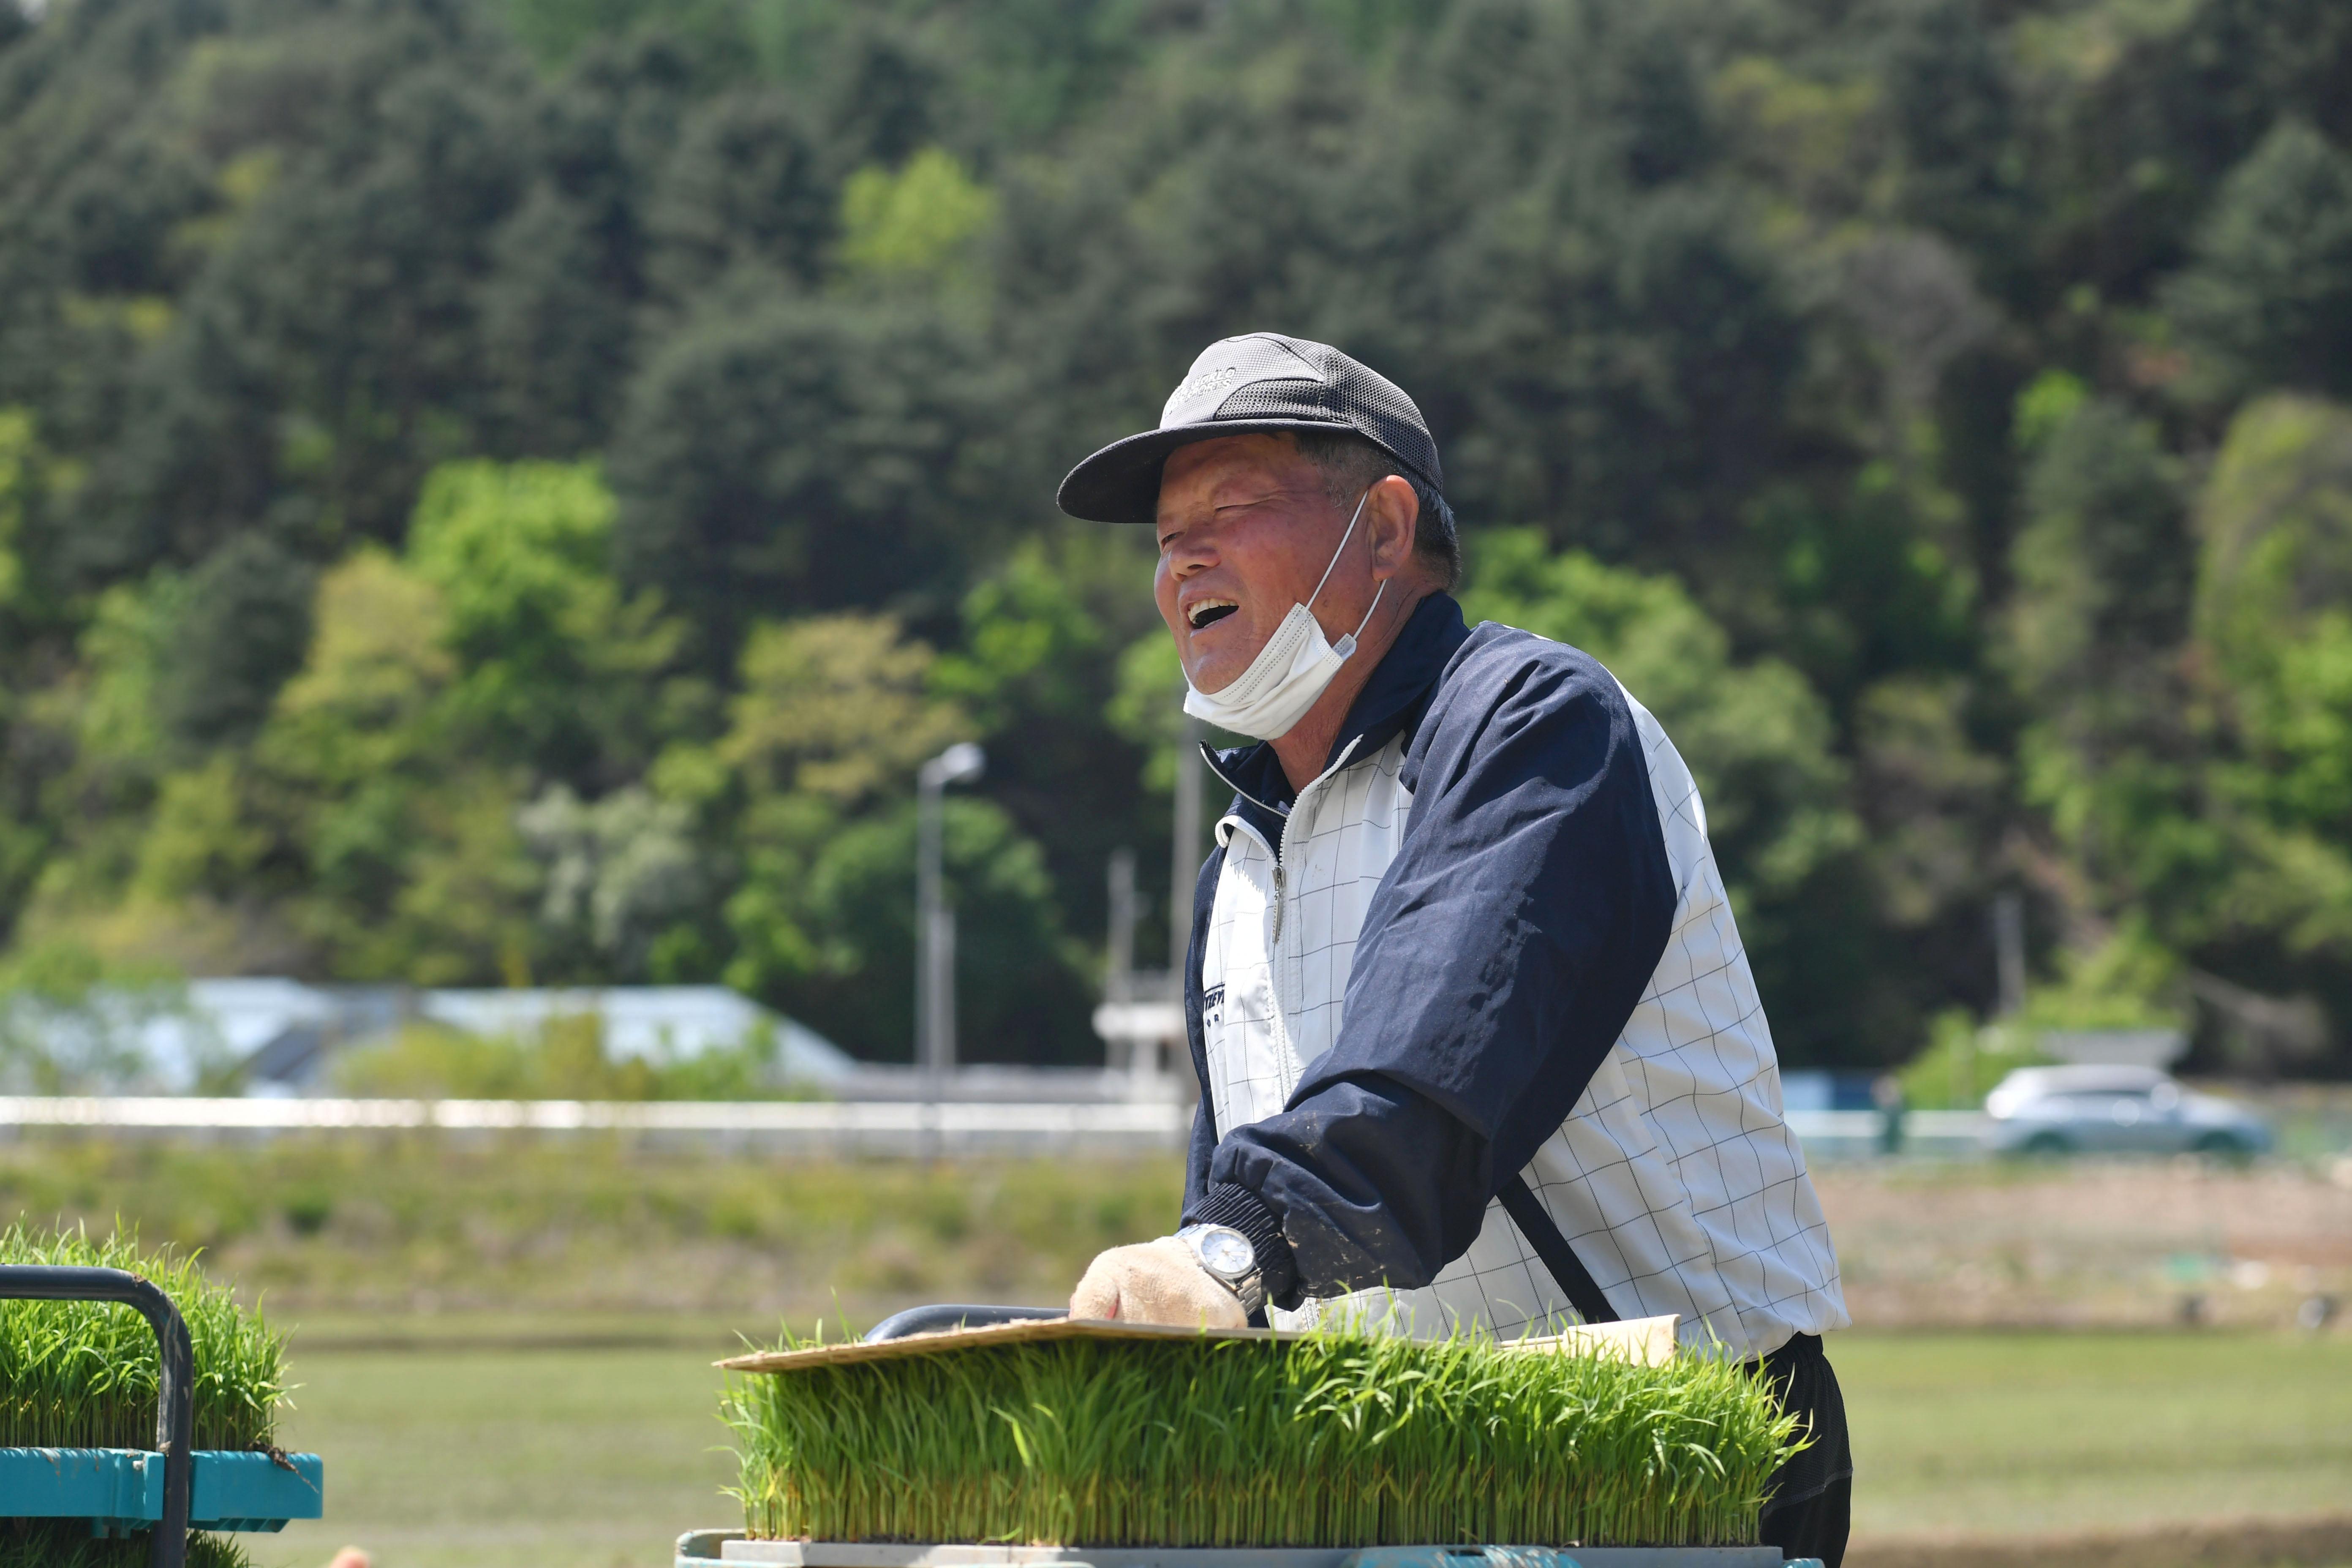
(2009, 982)
(1118, 984)
(934, 921)
(2009, 954)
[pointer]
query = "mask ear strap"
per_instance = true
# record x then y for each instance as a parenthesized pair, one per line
(1347, 644)
(1343, 546)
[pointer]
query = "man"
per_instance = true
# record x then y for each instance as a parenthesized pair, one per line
(1477, 1039)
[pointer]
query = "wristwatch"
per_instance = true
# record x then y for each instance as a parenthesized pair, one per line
(1229, 1258)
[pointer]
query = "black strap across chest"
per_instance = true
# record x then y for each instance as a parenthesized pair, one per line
(1536, 1224)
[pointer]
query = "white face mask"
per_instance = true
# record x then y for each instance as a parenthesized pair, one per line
(1290, 672)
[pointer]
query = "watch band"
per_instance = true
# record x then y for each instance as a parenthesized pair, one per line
(1246, 1281)
(1246, 1211)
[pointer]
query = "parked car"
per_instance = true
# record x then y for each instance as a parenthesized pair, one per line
(2116, 1110)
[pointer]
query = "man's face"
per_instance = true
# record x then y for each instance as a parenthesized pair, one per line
(1246, 531)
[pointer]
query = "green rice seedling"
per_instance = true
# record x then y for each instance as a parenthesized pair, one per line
(83, 1374)
(67, 1544)
(1328, 1440)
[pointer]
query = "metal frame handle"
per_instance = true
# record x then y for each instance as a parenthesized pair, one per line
(176, 1406)
(949, 1315)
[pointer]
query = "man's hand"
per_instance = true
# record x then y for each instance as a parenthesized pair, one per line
(1156, 1283)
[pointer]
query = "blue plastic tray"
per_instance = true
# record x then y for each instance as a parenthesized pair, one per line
(122, 1490)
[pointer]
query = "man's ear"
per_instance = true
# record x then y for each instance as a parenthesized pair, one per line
(1394, 512)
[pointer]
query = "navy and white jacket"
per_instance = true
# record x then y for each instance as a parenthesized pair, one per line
(1489, 944)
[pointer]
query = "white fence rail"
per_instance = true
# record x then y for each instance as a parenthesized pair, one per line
(814, 1126)
(1840, 1133)
(905, 1127)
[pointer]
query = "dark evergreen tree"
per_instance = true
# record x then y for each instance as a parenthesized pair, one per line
(2269, 297)
(242, 629)
(786, 455)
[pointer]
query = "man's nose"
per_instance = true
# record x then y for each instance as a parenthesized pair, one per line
(1187, 555)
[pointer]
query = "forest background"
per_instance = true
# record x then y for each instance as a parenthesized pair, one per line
(509, 492)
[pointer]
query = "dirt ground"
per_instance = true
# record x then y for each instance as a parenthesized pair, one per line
(2120, 1245)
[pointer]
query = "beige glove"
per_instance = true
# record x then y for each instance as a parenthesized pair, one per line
(1156, 1283)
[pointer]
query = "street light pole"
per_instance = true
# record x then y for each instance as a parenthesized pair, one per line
(934, 921)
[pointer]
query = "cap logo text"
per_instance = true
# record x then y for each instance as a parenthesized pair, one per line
(1200, 385)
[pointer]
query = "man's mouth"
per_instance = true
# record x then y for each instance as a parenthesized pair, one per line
(1209, 610)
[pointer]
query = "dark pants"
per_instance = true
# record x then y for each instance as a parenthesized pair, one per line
(1812, 1495)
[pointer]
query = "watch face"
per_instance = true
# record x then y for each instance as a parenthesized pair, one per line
(1227, 1252)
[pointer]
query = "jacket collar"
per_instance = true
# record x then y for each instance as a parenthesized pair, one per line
(1391, 704)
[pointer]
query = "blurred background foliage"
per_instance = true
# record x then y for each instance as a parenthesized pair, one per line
(509, 492)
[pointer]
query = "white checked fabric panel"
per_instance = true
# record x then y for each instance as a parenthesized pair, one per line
(1288, 929)
(1675, 1177)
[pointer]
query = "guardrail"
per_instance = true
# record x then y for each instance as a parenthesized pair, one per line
(1846, 1133)
(815, 1126)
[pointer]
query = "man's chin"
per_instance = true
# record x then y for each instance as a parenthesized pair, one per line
(1214, 677)
(1215, 669)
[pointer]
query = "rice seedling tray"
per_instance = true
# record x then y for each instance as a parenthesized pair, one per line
(82, 1385)
(1116, 1445)
(122, 1490)
(705, 1548)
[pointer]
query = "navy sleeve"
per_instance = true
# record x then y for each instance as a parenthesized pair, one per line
(1197, 1156)
(1507, 946)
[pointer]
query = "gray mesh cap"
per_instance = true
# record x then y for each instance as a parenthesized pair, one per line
(1257, 382)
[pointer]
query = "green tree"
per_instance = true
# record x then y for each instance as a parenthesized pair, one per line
(412, 864)
(1892, 338)
(240, 633)
(748, 191)
(2269, 298)
(1756, 739)
(2274, 600)
(2097, 628)
(326, 353)
(1955, 108)
(557, 669)
(836, 707)
(625, 880)
(917, 221)
(834, 718)
(557, 327)
(805, 456)
(825, 926)
(2273, 587)
(1035, 672)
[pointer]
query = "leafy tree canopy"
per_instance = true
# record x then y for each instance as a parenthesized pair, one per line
(516, 492)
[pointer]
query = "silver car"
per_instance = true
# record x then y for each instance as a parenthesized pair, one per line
(2116, 1110)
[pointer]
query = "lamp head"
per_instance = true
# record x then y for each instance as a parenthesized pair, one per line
(959, 764)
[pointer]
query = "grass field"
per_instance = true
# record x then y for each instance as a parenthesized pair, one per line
(489, 1458)
(411, 1226)
(417, 1268)
(2026, 1433)
(485, 1458)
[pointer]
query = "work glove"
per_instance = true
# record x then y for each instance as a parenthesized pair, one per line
(1156, 1283)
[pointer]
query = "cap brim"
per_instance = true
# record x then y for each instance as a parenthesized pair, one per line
(1121, 482)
